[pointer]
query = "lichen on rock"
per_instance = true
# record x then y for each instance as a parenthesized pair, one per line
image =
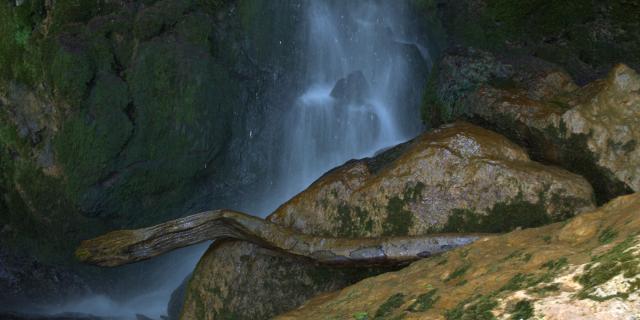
(439, 181)
(551, 272)
(588, 130)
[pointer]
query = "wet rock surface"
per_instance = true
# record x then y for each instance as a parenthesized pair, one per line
(24, 280)
(458, 178)
(551, 272)
(239, 280)
(422, 166)
(354, 88)
(590, 130)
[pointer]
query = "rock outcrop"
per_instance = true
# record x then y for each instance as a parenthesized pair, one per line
(586, 37)
(240, 280)
(457, 178)
(587, 268)
(590, 130)
(353, 88)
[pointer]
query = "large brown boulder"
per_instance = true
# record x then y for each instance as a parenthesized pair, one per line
(457, 178)
(240, 280)
(592, 130)
(587, 268)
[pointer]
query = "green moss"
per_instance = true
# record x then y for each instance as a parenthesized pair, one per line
(522, 310)
(502, 217)
(424, 301)
(543, 290)
(399, 220)
(458, 272)
(620, 260)
(93, 137)
(389, 306)
(361, 315)
(477, 308)
(556, 265)
(518, 255)
(70, 72)
(353, 221)
(19, 52)
(607, 235)
(525, 281)
(432, 110)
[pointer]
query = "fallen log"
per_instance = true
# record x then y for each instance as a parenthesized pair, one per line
(128, 246)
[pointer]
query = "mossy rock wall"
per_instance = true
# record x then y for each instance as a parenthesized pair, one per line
(119, 114)
(587, 37)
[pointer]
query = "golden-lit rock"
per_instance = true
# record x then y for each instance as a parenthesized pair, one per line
(458, 178)
(593, 130)
(525, 274)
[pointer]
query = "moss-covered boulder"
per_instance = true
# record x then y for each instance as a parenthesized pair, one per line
(587, 268)
(239, 280)
(459, 177)
(586, 37)
(590, 130)
(113, 114)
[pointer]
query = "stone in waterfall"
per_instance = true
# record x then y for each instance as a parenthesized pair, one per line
(353, 88)
(457, 178)
(593, 130)
(586, 268)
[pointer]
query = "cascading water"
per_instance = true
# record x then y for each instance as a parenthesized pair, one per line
(362, 77)
(360, 56)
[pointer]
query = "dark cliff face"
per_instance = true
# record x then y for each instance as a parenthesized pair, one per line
(119, 114)
(586, 37)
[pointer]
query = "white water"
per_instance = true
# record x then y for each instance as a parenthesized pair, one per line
(319, 132)
(322, 132)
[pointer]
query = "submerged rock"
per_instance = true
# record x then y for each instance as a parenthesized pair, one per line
(459, 178)
(551, 272)
(591, 130)
(353, 88)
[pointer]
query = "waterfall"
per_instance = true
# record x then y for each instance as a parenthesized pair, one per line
(359, 60)
(362, 77)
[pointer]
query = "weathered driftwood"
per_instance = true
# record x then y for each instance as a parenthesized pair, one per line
(128, 246)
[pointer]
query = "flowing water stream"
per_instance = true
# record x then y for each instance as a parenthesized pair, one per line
(363, 74)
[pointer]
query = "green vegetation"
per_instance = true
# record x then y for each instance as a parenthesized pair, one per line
(503, 217)
(388, 307)
(400, 220)
(522, 310)
(525, 281)
(555, 30)
(620, 260)
(477, 308)
(361, 315)
(518, 255)
(480, 306)
(607, 235)
(353, 221)
(424, 301)
(458, 272)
